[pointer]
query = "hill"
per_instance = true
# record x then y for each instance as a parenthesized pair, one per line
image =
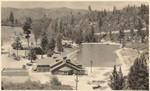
(37, 13)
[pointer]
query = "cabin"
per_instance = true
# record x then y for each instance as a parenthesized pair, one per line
(59, 66)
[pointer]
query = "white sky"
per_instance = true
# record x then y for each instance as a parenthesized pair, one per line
(95, 5)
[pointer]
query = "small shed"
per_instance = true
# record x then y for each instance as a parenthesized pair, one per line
(14, 72)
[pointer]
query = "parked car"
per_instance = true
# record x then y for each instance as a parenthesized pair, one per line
(28, 64)
(96, 87)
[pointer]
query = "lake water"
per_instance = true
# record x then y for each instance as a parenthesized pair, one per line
(102, 55)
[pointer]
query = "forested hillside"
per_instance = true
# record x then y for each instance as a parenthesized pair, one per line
(78, 25)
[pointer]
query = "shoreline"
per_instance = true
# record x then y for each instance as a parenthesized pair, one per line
(107, 43)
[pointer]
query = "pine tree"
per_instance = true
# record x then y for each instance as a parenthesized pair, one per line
(89, 7)
(32, 55)
(17, 45)
(139, 27)
(138, 77)
(110, 35)
(92, 34)
(121, 79)
(44, 42)
(72, 20)
(116, 79)
(100, 25)
(26, 28)
(59, 42)
(132, 33)
(121, 36)
(50, 47)
(11, 17)
(113, 79)
(115, 10)
(105, 13)
(78, 36)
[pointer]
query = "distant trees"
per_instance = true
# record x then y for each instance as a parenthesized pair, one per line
(40, 26)
(138, 77)
(116, 79)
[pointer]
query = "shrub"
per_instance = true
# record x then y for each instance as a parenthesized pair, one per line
(49, 53)
(55, 81)
(33, 85)
(38, 50)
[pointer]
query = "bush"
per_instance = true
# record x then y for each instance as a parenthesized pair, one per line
(138, 77)
(38, 50)
(33, 85)
(55, 81)
(15, 46)
(49, 53)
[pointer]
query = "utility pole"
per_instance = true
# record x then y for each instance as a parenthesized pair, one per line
(91, 65)
(76, 80)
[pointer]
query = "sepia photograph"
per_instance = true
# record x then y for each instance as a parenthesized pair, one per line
(75, 45)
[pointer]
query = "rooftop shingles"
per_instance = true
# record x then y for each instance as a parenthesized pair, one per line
(47, 61)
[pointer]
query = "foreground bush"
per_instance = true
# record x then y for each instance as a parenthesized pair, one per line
(32, 85)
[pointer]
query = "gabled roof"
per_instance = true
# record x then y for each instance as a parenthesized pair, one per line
(65, 69)
(47, 61)
(68, 64)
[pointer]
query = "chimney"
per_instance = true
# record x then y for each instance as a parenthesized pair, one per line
(64, 58)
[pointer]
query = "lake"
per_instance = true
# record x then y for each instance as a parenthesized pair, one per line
(102, 55)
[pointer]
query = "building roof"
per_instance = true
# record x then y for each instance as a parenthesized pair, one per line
(65, 69)
(14, 70)
(46, 61)
(56, 64)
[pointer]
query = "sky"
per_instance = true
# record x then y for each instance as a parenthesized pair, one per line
(95, 5)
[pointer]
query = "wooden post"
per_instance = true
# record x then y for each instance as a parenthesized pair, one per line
(76, 80)
(91, 65)
(9, 53)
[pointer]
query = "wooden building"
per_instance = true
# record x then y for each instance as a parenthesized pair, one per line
(14, 72)
(59, 67)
